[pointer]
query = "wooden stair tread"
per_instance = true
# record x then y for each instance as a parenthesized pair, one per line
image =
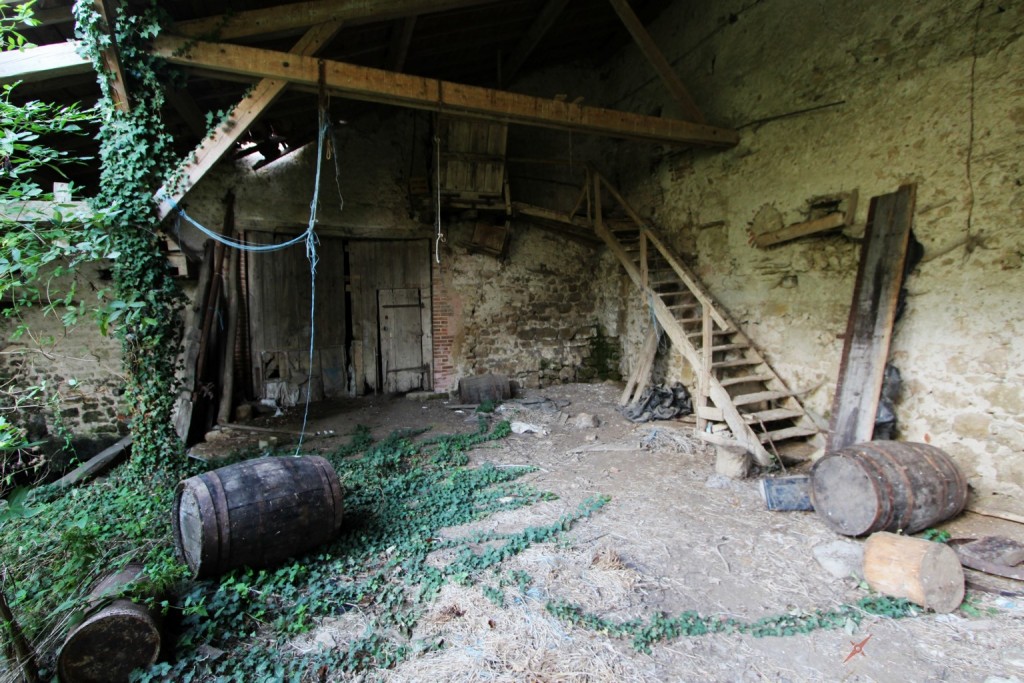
(714, 333)
(787, 433)
(772, 415)
(738, 362)
(729, 381)
(730, 347)
(758, 397)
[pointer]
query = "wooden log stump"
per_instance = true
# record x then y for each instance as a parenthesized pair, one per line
(924, 572)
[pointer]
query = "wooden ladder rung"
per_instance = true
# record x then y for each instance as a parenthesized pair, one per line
(787, 433)
(772, 415)
(758, 397)
(745, 379)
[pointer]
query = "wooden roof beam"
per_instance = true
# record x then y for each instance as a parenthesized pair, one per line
(399, 50)
(657, 59)
(528, 43)
(388, 87)
(112, 59)
(300, 15)
(42, 63)
(214, 147)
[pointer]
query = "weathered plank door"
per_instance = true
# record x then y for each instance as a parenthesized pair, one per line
(401, 339)
(279, 326)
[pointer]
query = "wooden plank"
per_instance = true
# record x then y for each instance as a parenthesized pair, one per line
(648, 350)
(112, 58)
(223, 140)
(35, 211)
(42, 63)
(657, 59)
(872, 313)
(300, 15)
(96, 464)
(387, 87)
(792, 232)
(534, 34)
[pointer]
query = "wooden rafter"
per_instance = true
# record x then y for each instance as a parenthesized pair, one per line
(42, 63)
(300, 15)
(212, 149)
(399, 50)
(386, 87)
(111, 58)
(657, 59)
(538, 29)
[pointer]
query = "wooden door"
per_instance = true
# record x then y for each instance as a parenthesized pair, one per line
(400, 315)
(279, 324)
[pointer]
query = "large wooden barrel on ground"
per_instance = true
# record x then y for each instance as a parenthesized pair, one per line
(887, 486)
(480, 388)
(255, 513)
(114, 639)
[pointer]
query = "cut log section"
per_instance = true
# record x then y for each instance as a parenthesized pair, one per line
(924, 572)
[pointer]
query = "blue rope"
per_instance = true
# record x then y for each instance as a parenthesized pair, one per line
(311, 242)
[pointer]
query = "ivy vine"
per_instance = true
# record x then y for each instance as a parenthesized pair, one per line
(136, 156)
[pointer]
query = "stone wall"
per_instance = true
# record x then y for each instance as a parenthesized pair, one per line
(831, 97)
(77, 371)
(529, 316)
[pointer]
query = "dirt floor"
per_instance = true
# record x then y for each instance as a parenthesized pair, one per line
(675, 537)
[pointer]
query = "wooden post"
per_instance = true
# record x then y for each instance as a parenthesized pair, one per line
(924, 572)
(227, 384)
(644, 271)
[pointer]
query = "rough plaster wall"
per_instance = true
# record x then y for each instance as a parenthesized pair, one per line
(927, 92)
(377, 150)
(78, 364)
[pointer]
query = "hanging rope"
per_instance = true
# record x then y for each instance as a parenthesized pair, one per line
(437, 206)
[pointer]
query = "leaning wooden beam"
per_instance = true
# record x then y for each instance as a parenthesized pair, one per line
(386, 87)
(112, 58)
(42, 63)
(212, 149)
(657, 59)
(872, 314)
(538, 29)
(300, 15)
(96, 464)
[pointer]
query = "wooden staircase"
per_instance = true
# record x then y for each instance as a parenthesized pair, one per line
(739, 400)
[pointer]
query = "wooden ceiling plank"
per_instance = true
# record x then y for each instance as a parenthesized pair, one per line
(531, 39)
(388, 87)
(42, 63)
(214, 147)
(400, 42)
(302, 14)
(650, 50)
(112, 59)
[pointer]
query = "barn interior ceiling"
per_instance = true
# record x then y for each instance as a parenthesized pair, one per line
(484, 43)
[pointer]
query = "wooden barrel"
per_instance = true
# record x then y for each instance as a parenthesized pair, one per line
(887, 486)
(255, 513)
(114, 639)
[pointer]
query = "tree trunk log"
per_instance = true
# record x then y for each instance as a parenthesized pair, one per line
(926, 573)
